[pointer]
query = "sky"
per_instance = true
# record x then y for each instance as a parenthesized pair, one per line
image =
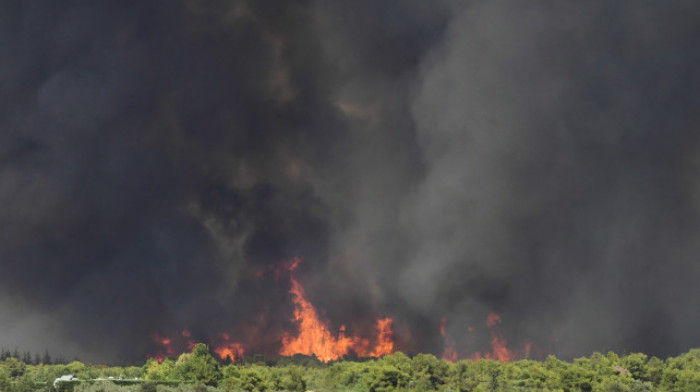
(425, 160)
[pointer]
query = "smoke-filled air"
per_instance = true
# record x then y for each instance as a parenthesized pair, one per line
(348, 179)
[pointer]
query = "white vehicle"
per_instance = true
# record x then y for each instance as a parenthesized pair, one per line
(68, 377)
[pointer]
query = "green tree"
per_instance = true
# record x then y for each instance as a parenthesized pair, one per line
(78, 369)
(252, 379)
(148, 386)
(636, 364)
(462, 377)
(294, 381)
(153, 370)
(615, 385)
(346, 374)
(494, 380)
(577, 378)
(398, 360)
(23, 384)
(655, 371)
(639, 386)
(46, 360)
(4, 382)
(13, 367)
(384, 378)
(197, 366)
(428, 371)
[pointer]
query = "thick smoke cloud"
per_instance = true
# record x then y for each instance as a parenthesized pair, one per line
(559, 143)
(425, 159)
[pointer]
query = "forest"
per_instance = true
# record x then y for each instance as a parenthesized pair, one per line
(200, 371)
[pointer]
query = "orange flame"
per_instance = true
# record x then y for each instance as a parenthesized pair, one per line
(385, 338)
(449, 354)
(499, 344)
(234, 351)
(228, 349)
(167, 346)
(315, 338)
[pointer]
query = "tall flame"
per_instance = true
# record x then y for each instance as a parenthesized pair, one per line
(315, 338)
(499, 344)
(385, 338)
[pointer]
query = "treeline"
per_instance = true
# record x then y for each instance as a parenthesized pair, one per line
(199, 371)
(30, 359)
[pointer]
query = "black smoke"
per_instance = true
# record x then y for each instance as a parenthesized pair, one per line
(158, 160)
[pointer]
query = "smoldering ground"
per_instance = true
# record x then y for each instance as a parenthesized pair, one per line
(539, 160)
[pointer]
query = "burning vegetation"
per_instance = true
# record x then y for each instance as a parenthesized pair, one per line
(499, 344)
(313, 335)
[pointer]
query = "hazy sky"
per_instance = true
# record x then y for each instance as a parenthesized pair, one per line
(425, 159)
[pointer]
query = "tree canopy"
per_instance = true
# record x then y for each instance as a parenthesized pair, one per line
(199, 371)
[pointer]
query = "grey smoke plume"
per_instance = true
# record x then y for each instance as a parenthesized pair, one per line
(424, 159)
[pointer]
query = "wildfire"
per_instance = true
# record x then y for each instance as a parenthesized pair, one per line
(168, 349)
(385, 338)
(449, 354)
(499, 344)
(190, 343)
(315, 338)
(233, 351)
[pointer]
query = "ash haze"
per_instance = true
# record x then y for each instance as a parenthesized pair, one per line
(424, 159)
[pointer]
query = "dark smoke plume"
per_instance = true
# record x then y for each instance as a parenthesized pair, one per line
(159, 159)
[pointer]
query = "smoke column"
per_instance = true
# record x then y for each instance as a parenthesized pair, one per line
(425, 160)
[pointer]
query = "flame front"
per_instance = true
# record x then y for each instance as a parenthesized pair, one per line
(314, 336)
